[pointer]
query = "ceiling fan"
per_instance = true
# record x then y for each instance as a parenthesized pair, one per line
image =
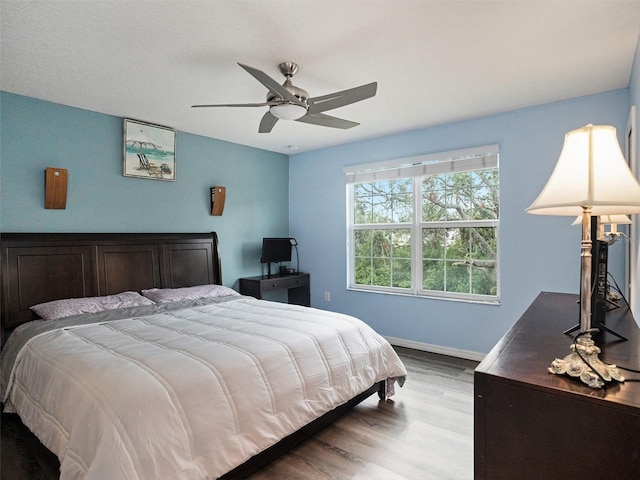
(288, 102)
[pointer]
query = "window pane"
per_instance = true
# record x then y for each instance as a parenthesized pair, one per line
(381, 272)
(457, 245)
(433, 242)
(483, 254)
(433, 275)
(401, 273)
(380, 209)
(363, 210)
(459, 205)
(456, 249)
(456, 277)
(460, 196)
(483, 244)
(363, 271)
(402, 208)
(485, 194)
(483, 281)
(401, 242)
(362, 243)
(383, 257)
(384, 202)
(433, 199)
(460, 260)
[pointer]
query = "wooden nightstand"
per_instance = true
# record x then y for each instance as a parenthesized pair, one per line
(297, 285)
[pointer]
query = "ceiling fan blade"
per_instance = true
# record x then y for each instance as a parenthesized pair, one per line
(267, 123)
(327, 121)
(340, 99)
(263, 104)
(271, 84)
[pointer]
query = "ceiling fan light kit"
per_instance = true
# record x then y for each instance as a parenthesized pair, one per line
(288, 111)
(288, 102)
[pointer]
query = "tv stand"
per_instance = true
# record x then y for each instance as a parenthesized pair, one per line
(297, 285)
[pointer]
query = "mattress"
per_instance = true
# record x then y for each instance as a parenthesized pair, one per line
(186, 390)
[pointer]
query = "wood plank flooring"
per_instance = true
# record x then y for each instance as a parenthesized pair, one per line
(423, 432)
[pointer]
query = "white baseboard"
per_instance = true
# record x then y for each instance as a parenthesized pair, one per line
(427, 347)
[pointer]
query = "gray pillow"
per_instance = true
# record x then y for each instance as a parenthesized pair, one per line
(73, 306)
(165, 295)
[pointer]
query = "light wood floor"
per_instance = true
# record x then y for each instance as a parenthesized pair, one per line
(424, 432)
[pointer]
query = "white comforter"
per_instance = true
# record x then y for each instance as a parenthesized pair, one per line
(190, 393)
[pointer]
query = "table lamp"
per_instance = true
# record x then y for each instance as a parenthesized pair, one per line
(591, 177)
(613, 221)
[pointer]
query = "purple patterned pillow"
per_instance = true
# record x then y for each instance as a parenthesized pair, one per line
(73, 306)
(165, 295)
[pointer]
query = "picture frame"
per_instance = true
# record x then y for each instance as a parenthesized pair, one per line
(148, 151)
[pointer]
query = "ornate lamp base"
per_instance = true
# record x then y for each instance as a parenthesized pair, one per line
(583, 361)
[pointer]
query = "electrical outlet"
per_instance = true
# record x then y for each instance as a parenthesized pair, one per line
(327, 296)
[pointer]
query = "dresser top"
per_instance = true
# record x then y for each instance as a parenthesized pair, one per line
(527, 350)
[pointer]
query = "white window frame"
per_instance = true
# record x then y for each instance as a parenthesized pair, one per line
(417, 168)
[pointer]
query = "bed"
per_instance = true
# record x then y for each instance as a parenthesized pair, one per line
(156, 370)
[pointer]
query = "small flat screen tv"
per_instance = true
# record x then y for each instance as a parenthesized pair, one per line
(276, 250)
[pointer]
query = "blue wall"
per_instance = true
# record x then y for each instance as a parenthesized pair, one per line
(35, 134)
(537, 253)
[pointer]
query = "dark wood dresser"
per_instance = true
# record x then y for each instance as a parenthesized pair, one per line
(531, 424)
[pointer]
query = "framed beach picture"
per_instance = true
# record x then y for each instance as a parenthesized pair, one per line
(148, 151)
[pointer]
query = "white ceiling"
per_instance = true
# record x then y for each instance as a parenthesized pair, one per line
(435, 61)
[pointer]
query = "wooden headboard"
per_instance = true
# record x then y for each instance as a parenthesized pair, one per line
(40, 267)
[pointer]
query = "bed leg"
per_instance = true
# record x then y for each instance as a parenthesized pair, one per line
(382, 390)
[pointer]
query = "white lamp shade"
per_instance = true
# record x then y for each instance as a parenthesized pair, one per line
(591, 172)
(607, 220)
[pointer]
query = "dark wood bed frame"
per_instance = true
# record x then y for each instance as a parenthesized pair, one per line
(40, 267)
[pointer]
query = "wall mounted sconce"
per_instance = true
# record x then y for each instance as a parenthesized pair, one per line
(55, 188)
(218, 195)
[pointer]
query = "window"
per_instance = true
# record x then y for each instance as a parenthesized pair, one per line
(426, 225)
